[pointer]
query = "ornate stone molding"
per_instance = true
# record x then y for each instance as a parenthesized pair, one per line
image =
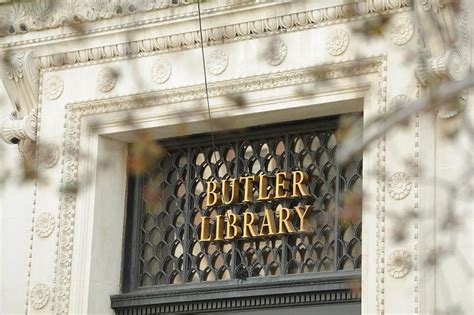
(106, 79)
(39, 295)
(399, 264)
(48, 155)
(13, 66)
(402, 31)
(291, 291)
(44, 224)
(399, 101)
(21, 80)
(450, 66)
(217, 62)
(234, 32)
(454, 107)
(74, 112)
(53, 87)
(161, 71)
(337, 42)
(24, 17)
(14, 130)
(399, 185)
(275, 52)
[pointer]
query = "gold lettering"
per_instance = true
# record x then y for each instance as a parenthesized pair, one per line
(285, 224)
(219, 228)
(263, 189)
(205, 235)
(233, 228)
(268, 223)
(234, 192)
(303, 214)
(250, 225)
(281, 185)
(248, 187)
(212, 198)
(300, 181)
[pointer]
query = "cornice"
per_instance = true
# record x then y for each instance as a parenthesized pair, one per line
(224, 34)
(114, 21)
(25, 17)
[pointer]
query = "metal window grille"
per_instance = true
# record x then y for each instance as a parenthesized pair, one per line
(166, 205)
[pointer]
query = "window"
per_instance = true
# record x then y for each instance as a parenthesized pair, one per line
(167, 204)
(163, 256)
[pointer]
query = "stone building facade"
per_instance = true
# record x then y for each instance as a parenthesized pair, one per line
(83, 80)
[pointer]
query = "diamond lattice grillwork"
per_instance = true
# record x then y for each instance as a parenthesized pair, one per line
(173, 197)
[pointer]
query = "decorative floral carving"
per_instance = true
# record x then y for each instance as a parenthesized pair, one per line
(399, 185)
(217, 62)
(106, 79)
(275, 52)
(337, 42)
(13, 129)
(454, 107)
(13, 65)
(435, 5)
(161, 71)
(239, 31)
(402, 31)
(399, 263)
(399, 101)
(53, 87)
(39, 295)
(48, 155)
(44, 224)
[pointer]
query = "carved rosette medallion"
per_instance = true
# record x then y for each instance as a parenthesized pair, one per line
(337, 42)
(399, 264)
(217, 62)
(39, 295)
(44, 224)
(402, 31)
(276, 52)
(161, 71)
(399, 101)
(53, 87)
(399, 185)
(49, 155)
(106, 79)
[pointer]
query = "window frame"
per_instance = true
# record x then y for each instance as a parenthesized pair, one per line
(255, 292)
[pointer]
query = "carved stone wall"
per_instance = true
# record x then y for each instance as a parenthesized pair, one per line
(92, 72)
